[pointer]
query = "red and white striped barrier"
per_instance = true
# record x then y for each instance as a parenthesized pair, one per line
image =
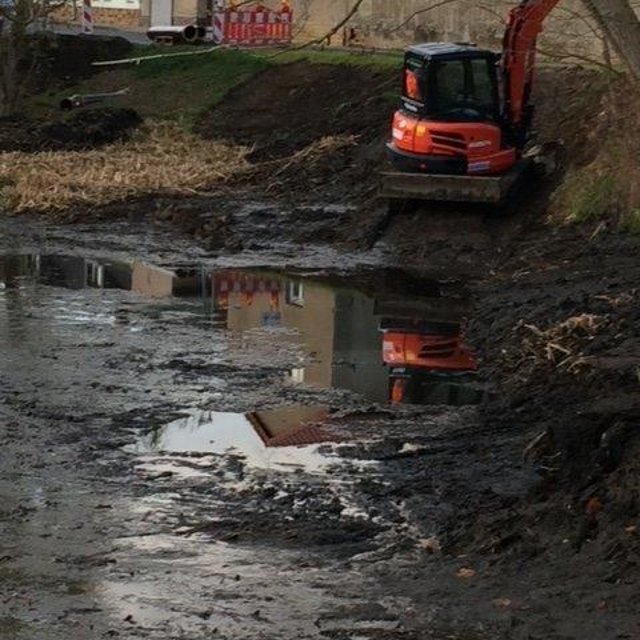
(254, 27)
(218, 26)
(87, 17)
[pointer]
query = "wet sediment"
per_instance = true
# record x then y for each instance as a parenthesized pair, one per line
(192, 447)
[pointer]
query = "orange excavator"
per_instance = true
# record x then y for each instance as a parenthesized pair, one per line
(465, 115)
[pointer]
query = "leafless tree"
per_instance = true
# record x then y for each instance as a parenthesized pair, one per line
(606, 27)
(18, 18)
(352, 11)
(619, 23)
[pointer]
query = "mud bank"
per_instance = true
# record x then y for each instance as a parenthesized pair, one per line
(89, 129)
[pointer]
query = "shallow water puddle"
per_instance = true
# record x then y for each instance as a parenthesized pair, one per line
(274, 439)
(386, 335)
(244, 372)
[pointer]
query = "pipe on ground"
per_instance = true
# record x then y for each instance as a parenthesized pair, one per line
(187, 33)
(84, 100)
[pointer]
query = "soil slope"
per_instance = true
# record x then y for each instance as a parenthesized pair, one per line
(88, 129)
(288, 107)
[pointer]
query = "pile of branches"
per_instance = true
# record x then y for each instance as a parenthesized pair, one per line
(561, 347)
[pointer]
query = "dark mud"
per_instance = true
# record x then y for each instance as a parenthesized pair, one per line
(89, 129)
(322, 141)
(310, 104)
(55, 61)
(150, 488)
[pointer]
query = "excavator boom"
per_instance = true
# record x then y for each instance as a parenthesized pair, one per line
(518, 58)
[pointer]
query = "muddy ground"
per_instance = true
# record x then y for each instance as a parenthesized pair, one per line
(416, 522)
(135, 504)
(90, 129)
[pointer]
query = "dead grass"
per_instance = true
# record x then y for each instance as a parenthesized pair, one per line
(161, 159)
(607, 189)
(602, 179)
(561, 346)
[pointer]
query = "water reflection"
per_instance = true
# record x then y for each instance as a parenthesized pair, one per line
(69, 272)
(381, 341)
(266, 439)
(73, 272)
(385, 335)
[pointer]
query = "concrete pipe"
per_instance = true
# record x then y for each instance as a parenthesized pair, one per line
(186, 33)
(202, 33)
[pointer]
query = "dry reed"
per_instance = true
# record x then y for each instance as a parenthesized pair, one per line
(161, 159)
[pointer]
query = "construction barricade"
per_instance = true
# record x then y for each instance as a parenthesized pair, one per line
(253, 26)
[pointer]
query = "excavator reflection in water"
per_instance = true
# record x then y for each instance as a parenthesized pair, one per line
(383, 335)
(390, 347)
(428, 363)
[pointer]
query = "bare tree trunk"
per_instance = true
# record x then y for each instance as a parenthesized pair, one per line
(14, 46)
(9, 81)
(619, 23)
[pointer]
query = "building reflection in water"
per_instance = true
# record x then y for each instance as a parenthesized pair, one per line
(269, 438)
(387, 338)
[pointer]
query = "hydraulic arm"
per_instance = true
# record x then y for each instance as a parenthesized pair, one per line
(518, 60)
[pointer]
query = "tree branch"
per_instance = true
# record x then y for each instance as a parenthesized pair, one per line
(332, 32)
(415, 14)
(568, 55)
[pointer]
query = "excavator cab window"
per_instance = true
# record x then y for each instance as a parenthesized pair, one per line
(463, 89)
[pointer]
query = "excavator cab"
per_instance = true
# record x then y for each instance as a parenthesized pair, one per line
(465, 116)
(454, 83)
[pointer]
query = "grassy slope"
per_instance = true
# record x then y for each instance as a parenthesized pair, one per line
(178, 88)
(168, 88)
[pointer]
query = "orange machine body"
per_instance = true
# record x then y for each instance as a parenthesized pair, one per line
(464, 110)
(426, 351)
(479, 143)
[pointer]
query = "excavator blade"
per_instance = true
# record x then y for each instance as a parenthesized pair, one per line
(396, 185)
